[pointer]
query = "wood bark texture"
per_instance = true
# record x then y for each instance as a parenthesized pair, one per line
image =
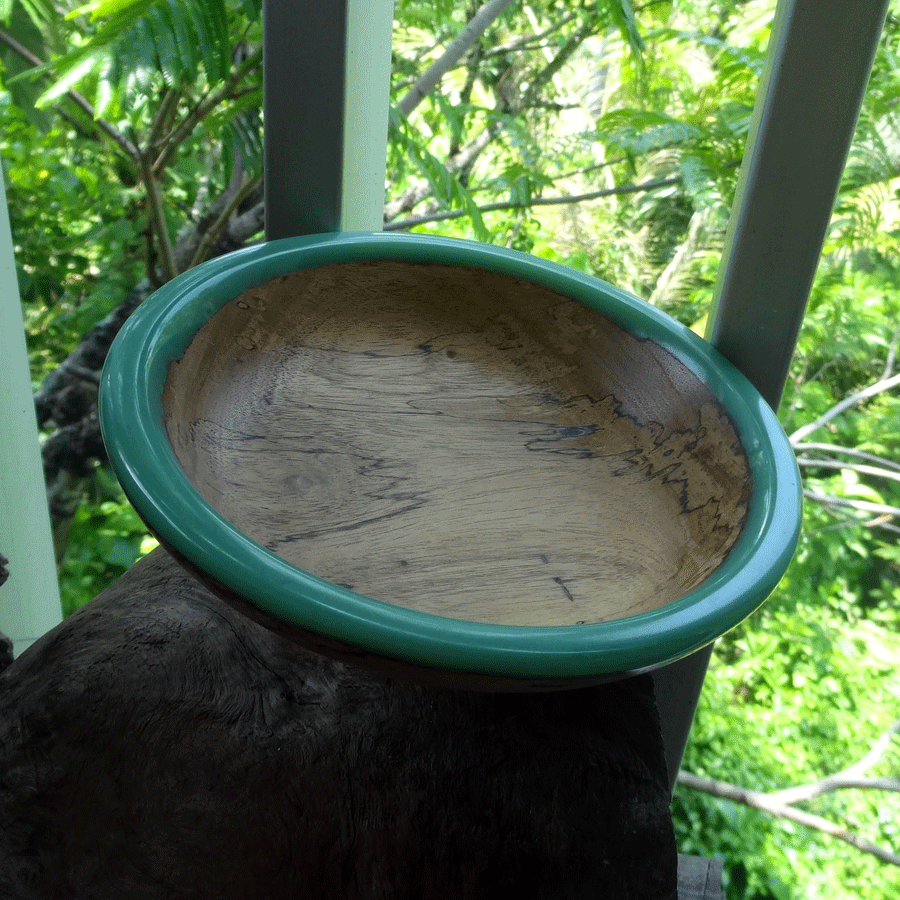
(157, 745)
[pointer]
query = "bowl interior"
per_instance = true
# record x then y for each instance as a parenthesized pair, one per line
(459, 442)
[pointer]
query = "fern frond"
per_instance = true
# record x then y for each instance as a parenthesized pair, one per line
(168, 60)
(183, 37)
(175, 38)
(242, 136)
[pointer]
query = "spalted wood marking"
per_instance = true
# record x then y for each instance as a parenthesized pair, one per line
(157, 745)
(458, 442)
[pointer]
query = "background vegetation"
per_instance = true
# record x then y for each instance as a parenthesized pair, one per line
(607, 138)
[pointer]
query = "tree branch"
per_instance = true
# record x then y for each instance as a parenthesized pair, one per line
(161, 118)
(537, 201)
(461, 161)
(228, 91)
(883, 522)
(781, 803)
(216, 229)
(881, 509)
(157, 219)
(436, 71)
(852, 777)
(768, 804)
(531, 41)
(800, 447)
(883, 384)
(891, 356)
(80, 101)
(877, 471)
(555, 64)
(66, 402)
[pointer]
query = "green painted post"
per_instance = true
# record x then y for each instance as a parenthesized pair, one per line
(327, 82)
(29, 599)
(818, 64)
(366, 108)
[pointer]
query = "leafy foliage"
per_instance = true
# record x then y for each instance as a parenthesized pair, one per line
(106, 537)
(135, 40)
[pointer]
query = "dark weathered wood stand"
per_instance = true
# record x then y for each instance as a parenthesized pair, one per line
(158, 744)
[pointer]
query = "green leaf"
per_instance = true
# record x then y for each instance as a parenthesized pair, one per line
(639, 132)
(162, 32)
(17, 72)
(100, 9)
(252, 9)
(698, 180)
(242, 135)
(183, 38)
(171, 37)
(623, 15)
(86, 62)
(41, 12)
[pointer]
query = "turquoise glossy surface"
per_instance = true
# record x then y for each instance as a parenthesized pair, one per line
(132, 420)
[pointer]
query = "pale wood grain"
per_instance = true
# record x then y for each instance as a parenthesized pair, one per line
(458, 442)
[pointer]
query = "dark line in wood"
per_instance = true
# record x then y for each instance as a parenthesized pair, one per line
(350, 526)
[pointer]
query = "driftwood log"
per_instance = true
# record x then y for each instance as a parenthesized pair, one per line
(158, 744)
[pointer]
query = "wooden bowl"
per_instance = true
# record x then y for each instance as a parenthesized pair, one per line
(451, 458)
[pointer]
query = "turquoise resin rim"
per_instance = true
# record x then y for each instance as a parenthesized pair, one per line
(132, 421)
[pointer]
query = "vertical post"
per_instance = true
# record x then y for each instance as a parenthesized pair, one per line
(29, 600)
(326, 83)
(818, 64)
(366, 108)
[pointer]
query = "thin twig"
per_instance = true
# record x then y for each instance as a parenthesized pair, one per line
(765, 803)
(531, 41)
(157, 219)
(555, 64)
(891, 356)
(877, 471)
(781, 803)
(436, 71)
(169, 101)
(459, 162)
(835, 783)
(882, 522)
(883, 384)
(852, 777)
(861, 505)
(85, 105)
(801, 446)
(877, 750)
(183, 129)
(536, 201)
(221, 222)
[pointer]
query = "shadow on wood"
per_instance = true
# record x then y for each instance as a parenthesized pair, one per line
(157, 744)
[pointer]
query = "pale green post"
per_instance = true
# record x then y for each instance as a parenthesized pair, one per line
(29, 600)
(366, 108)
